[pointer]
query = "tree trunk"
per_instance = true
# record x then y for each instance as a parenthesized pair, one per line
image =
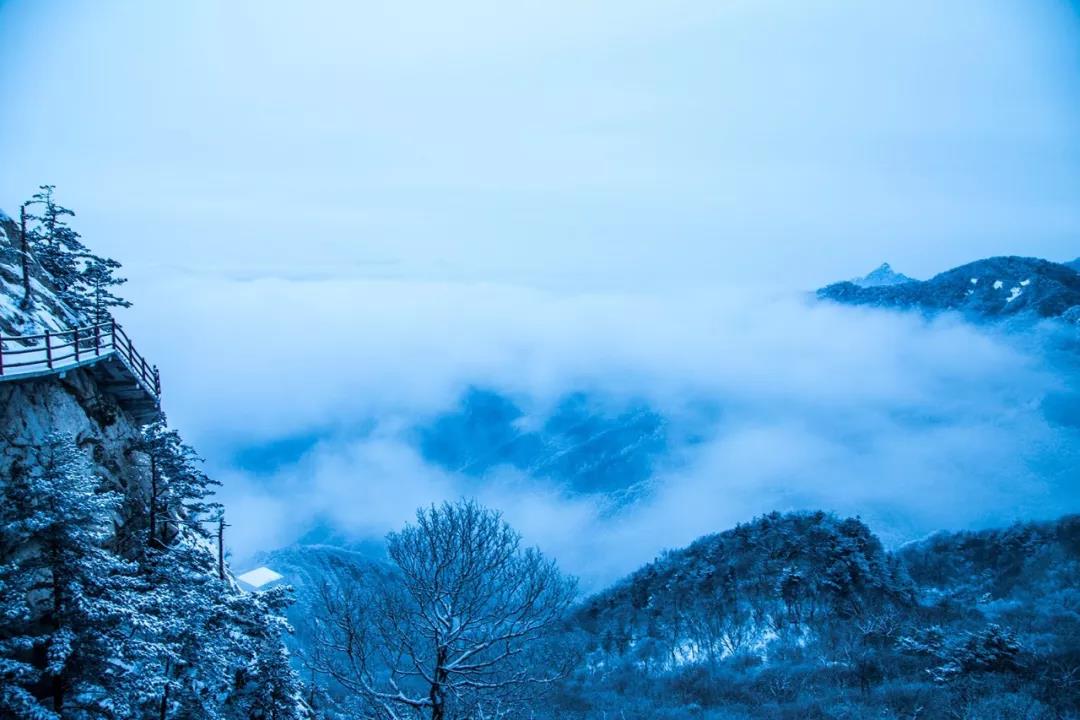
(153, 499)
(438, 691)
(24, 247)
(165, 694)
(57, 611)
(221, 548)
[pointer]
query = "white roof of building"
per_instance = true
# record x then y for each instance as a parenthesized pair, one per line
(259, 576)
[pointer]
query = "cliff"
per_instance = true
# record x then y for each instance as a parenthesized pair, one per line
(74, 402)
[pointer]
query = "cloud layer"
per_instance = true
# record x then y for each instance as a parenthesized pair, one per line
(912, 424)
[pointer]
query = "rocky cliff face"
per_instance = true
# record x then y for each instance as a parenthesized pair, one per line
(72, 405)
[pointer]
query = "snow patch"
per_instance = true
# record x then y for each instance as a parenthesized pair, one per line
(1014, 292)
(998, 284)
(1025, 283)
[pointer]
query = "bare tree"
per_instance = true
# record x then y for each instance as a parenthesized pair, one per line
(460, 631)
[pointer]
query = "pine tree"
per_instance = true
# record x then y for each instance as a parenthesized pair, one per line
(180, 493)
(223, 655)
(95, 294)
(81, 640)
(83, 281)
(184, 595)
(55, 245)
(267, 687)
(165, 534)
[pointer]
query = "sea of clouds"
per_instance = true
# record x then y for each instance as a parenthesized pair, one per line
(911, 423)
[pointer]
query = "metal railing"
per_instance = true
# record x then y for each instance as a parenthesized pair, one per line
(56, 350)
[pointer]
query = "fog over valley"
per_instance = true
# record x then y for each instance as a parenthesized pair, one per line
(360, 399)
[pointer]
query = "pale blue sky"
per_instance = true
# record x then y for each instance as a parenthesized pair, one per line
(583, 144)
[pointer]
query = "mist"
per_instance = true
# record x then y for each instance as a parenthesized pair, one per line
(914, 424)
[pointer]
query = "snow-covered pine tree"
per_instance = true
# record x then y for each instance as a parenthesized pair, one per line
(223, 653)
(17, 673)
(165, 536)
(81, 641)
(54, 244)
(184, 592)
(96, 281)
(266, 685)
(83, 280)
(180, 493)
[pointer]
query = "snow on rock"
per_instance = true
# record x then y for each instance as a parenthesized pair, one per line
(1014, 292)
(998, 284)
(45, 312)
(1025, 283)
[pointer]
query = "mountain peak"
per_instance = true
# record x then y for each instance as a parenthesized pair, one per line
(882, 276)
(990, 288)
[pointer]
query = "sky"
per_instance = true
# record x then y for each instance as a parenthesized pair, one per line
(338, 216)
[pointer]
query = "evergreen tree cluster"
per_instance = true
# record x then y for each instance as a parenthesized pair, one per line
(85, 282)
(112, 604)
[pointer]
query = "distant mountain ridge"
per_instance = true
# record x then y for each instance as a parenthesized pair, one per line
(579, 444)
(993, 288)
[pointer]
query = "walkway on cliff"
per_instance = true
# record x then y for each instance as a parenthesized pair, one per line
(103, 349)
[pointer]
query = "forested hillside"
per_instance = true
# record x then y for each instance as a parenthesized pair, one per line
(807, 616)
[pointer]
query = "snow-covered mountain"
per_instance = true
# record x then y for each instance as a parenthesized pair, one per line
(998, 287)
(882, 276)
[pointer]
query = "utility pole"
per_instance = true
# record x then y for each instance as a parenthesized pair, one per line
(221, 547)
(24, 247)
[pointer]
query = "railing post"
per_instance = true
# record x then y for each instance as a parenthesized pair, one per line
(157, 381)
(75, 334)
(1, 355)
(48, 348)
(113, 331)
(97, 339)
